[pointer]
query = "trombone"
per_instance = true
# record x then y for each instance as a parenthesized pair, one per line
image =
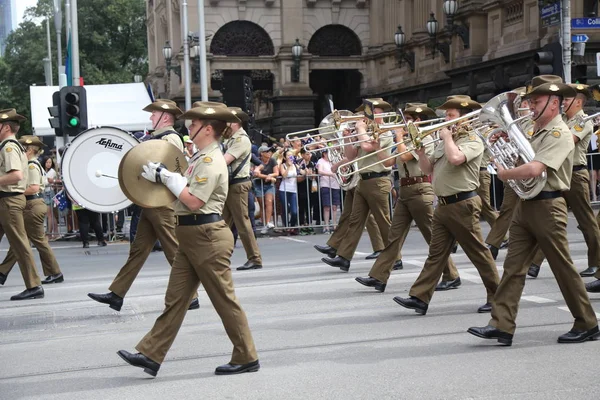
(374, 130)
(414, 140)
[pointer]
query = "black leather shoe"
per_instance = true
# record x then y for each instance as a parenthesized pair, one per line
(454, 248)
(157, 248)
(231, 369)
(115, 302)
(194, 305)
(372, 282)
(140, 360)
(102, 243)
(447, 285)
(490, 332)
(504, 244)
(86, 245)
(487, 307)
(338, 262)
(494, 251)
(249, 265)
(58, 278)
(574, 336)
(29, 294)
(593, 287)
(397, 265)
(533, 271)
(327, 250)
(373, 255)
(413, 303)
(2, 278)
(591, 271)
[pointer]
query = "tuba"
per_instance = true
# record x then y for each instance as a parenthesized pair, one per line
(344, 175)
(500, 111)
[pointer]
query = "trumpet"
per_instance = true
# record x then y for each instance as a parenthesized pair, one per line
(414, 141)
(581, 120)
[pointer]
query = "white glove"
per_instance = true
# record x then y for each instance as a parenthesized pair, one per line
(155, 172)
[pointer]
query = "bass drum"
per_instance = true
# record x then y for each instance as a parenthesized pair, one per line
(89, 168)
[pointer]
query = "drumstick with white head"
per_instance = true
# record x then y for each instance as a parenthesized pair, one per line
(99, 174)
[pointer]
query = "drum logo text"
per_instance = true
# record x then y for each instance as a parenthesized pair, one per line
(109, 144)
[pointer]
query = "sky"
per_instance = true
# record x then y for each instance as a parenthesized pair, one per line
(21, 6)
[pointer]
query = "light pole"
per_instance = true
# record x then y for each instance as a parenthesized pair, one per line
(408, 56)
(168, 55)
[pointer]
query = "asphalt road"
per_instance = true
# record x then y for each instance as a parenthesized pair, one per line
(319, 334)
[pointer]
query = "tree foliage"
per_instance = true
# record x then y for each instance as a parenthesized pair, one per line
(112, 48)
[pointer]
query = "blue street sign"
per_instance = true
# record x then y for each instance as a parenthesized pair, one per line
(549, 12)
(580, 38)
(585, 23)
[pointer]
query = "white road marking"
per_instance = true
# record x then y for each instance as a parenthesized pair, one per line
(536, 299)
(567, 310)
(293, 240)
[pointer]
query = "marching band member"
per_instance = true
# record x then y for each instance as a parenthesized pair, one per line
(415, 202)
(578, 196)
(238, 152)
(373, 190)
(205, 248)
(455, 166)
(154, 223)
(339, 234)
(542, 221)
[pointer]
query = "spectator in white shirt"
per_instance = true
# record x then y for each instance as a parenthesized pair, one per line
(330, 191)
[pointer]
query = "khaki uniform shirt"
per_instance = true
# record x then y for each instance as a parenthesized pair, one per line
(34, 175)
(13, 158)
(239, 147)
(584, 133)
(485, 159)
(411, 168)
(553, 146)
(386, 140)
(451, 179)
(172, 138)
(208, 180)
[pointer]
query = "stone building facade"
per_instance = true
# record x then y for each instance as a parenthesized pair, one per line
(349, 52)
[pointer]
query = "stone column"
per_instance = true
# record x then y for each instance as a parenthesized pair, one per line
(293, 102)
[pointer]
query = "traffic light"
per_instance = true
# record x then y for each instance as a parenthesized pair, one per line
(55, 114)
(73, 110)
(548, 61)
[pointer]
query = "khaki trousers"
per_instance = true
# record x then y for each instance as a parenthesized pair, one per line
(500, 228)
(12, 224)
(372, 196)
(578, 199)
(341, 230)
(235, 212)
(203, 257)
(155, 223)
(487, 212)
(458, 221)
(34, 216)
(415, 202)
(543, 223)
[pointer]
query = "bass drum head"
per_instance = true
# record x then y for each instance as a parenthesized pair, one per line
(90, 165)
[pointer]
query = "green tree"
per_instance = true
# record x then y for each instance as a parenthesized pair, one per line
(112, 49)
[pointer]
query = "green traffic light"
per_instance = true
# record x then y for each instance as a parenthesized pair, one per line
(74, 122)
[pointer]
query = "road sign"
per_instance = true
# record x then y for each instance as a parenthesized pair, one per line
(549, 12)
(580, 38)
(585, 23)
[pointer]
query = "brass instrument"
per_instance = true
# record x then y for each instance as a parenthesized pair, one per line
(415, 138)
(581, 120)
(500, 111)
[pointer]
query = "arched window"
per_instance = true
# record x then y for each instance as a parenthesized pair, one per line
(241, 38)
(334, 40)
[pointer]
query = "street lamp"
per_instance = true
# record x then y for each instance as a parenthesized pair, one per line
(450, 9)
(432, 30)
(195, 55)
(137, 78)
(296, 54)
(401, 54)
